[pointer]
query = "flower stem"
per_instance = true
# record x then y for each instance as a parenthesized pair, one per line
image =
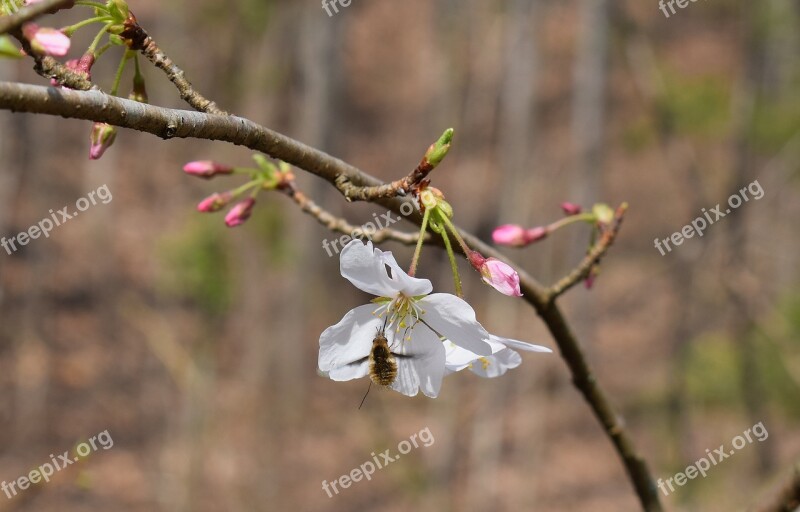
(418, 250)
(100, 51)
(97, 38)
(452, 228)
(120, 69)
(73, 28)
(136, 69)
(453, 263)
(244, 188)
(585, 217)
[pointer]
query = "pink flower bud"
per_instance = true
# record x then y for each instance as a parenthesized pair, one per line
(240, 213)
(588, 282)
(214, 202)
(536, 234)
(570, 208)
(85, 64)
(509, 234)
(206, 169)
(46, 41)
(102, 138)
(82, 66)
(497, 274)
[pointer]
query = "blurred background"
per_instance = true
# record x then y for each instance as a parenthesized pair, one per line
(195, 345)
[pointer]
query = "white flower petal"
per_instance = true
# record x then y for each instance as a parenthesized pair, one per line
(457, 358)
(454, 319)
(350, 340)
(519, 345)
(497, 364)
(420, 364)
(402, 282)
(350, 371)
(360, 265)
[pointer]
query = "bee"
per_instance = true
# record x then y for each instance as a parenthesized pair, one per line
(382, 363)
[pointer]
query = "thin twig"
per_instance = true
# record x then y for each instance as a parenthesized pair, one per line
(396, 188)
(50, 68)
(11, 22)
(340, 225)
(591, 259)
(139, 40)
(167, 123)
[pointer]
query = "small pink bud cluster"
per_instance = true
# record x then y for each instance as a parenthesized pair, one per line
(236, 216)
(600, 218)
(267, 176)
(517, 236)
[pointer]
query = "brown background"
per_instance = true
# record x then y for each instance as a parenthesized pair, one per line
(196, 345)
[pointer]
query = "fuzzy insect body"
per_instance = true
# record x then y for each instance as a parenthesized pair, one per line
(382, 363)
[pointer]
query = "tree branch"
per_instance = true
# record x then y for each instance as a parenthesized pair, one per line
(48, 67)
(141, 41)
(11, 22)
(591, 259)
(168, 123)
(334, 223)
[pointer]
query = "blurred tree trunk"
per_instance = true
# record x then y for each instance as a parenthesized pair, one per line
(516, 137)
(588, 129)
(744, 312)
(680, 160)
(589, 103)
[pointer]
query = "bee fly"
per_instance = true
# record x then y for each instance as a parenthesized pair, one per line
(382, 363)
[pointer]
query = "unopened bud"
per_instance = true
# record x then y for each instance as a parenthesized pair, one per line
(139, 92)
(570, 208)
(240, 213)
(46, 41)
(8, 49)
(206, 169)
(438, 150)
(536, 234)
(509, 234)
(102, 137)
(118, 9)
(214, 202)
(603, 214)
(497, 274)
